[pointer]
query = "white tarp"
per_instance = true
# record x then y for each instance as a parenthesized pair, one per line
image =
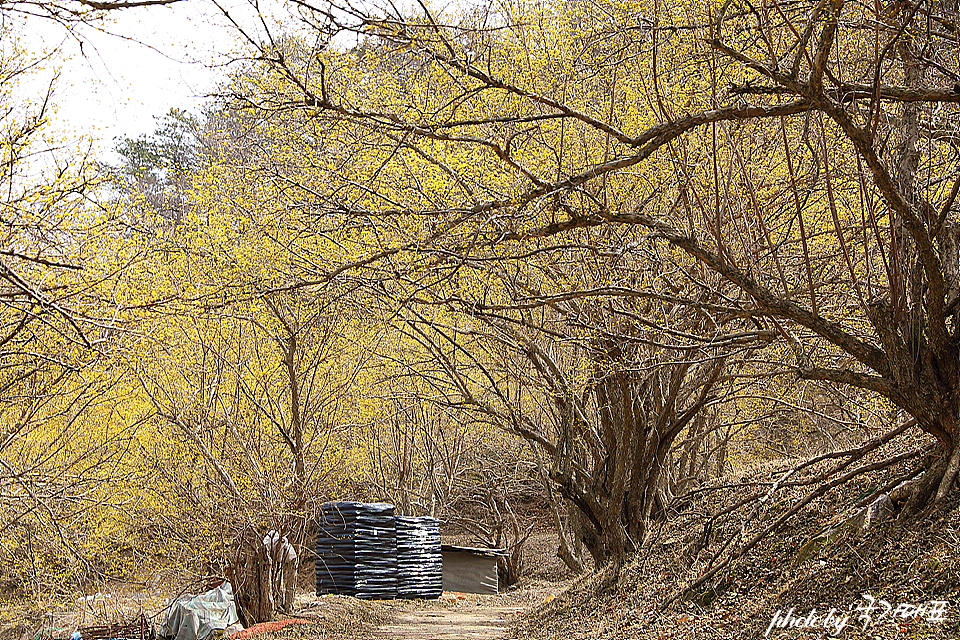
(196, 617)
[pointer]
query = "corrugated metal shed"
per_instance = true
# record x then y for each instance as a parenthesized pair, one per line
(470, 569)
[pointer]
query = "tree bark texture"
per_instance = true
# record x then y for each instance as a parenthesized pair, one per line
(268, 580)
(255, 603)
(639, 417)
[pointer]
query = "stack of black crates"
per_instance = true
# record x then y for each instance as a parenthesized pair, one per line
(363, 550)
(419, 563)
(357, 550)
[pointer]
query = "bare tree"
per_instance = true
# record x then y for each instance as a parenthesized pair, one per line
(601, 393)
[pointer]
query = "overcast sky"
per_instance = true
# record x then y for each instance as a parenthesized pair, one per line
(150, 59)
(117, 81)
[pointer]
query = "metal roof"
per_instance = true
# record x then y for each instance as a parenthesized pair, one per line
(475, 550)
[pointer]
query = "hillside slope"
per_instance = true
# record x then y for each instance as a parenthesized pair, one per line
(889, 581)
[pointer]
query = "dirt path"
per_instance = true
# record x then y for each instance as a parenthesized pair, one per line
(455, 616)
(459, 616)
(480, 623)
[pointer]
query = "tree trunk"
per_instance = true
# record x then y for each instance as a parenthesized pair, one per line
(255, 603)
(568, 549)
(268, 581)
(639, 417)
(295, 438)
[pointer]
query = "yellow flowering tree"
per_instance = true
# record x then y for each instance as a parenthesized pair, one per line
(796, 163)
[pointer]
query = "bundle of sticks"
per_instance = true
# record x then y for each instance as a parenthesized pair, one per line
(139, 628)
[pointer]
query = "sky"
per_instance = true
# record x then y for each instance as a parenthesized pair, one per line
(116, 82)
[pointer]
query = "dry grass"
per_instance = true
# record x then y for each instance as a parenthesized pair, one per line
(913, 564)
